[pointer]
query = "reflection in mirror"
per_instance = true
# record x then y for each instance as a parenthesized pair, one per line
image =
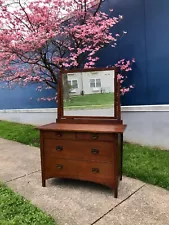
(88, 93)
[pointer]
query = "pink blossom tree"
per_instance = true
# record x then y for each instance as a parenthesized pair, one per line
(39, 38)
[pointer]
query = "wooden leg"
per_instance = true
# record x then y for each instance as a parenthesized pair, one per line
(121, 155)
(116, 192)
(43, 183)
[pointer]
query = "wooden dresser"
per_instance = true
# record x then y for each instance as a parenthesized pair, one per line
(85, 145)
(91, 152)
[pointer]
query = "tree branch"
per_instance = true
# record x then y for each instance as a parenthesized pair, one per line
(98, 7)
(26, 14)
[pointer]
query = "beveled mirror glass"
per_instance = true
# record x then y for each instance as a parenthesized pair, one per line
(89, 93)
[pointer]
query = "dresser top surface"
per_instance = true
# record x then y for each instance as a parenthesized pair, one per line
(96, 128)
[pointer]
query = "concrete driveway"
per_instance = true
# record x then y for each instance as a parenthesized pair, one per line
(72, 202)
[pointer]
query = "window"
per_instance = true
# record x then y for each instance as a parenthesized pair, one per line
(73, 83)
(92, 82)
(95, 83)
(69, 82)
(98, 83)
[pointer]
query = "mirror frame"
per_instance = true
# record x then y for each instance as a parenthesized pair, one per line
(89, 119)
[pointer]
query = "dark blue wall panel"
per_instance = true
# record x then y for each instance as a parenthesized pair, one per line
(146, 22)
(24, 98)
(132, 45)
(157, 38)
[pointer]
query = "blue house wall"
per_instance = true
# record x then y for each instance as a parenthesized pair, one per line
(25, 98)
(146, 22)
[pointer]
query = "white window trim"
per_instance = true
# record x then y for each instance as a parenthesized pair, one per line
(71, 81)
(95, 82)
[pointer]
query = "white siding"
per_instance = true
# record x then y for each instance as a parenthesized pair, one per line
(76, 76)
(106, 77)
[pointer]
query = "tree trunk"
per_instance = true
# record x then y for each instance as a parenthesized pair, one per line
(65, 88)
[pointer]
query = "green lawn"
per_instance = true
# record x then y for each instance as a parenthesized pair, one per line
(15, 210)
(148, 164)
(25, 134)
(104, 100)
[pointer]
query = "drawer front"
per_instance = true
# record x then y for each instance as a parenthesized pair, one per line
(55, 166)
(60, 135)
(97, 151)
(78, 169)
(96, 136)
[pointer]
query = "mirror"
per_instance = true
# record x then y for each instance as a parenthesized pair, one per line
(89, 93)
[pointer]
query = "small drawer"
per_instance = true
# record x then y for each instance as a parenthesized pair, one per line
(96, 136)
(80, 169)
(61, 167)
(80, 150)
(97, 170)
(60, 135)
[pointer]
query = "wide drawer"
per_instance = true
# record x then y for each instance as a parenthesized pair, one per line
(98, 151)
(79, 169)
(96, 136)
(60, 135)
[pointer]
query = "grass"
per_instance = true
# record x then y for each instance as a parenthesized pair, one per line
(91, 101)
(148, 164)
(141, 162)
(25, 134)
(15, 210)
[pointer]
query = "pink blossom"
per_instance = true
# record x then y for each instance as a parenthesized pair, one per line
(119, 76)
(35, 44)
